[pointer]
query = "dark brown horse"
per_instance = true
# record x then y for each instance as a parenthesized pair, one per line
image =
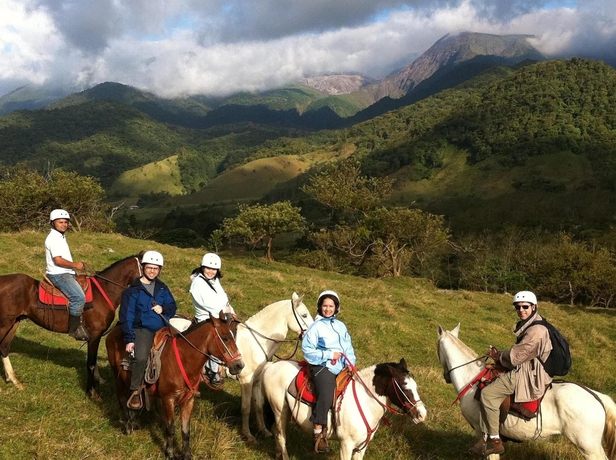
(19, 300)
(182, 362)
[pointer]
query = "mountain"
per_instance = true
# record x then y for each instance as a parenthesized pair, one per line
(31, 97)
(451, 50)
(532, 146)
(180, 111)
(336, 84)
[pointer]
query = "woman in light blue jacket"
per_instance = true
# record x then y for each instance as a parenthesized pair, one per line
(327, 348)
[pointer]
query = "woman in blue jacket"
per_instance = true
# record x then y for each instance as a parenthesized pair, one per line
(144, 305)
(327, 348)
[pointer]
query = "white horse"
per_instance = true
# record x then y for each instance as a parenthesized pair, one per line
(375, 388)
(582, 415)
(258, 339)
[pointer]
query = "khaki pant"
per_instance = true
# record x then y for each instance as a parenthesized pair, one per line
(491, 398)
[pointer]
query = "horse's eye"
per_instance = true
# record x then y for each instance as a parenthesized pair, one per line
(304, 315)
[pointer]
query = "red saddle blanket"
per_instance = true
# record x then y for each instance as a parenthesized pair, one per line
(302, 388)
(57, 298)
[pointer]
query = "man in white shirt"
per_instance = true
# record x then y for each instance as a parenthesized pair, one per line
(61, 272)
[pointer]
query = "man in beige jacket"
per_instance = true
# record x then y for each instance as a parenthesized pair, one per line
(527, 377)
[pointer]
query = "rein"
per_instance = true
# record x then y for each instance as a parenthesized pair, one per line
(484, 357)
(227, 356)
(297, 340)
(356, 377)
(219, 342)
(102, 291)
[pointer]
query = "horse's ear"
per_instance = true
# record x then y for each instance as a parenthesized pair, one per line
(403, 364)
(297, 300)
(456, 330)
(222, 316)
(441, 331)
(140, 255)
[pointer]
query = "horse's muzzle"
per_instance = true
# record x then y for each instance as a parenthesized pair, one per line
(235, 366)
(418, 412)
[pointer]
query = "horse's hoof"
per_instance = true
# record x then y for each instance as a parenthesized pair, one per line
(266, 433)
(250, 439)
(95, 396)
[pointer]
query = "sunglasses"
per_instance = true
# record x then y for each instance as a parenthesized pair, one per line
(525, 307)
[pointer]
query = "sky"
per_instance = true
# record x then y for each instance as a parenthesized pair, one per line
(176, 48)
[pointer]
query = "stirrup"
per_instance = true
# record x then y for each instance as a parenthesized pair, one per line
(137, 394)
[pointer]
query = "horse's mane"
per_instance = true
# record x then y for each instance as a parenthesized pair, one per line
(383, 368)
(265, 310)
(464, 347)
(194, 326)
(118, 262)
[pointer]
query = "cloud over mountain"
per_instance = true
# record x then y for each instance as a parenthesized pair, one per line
(180, 47)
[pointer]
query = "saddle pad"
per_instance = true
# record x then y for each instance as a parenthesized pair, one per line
(58, 298)
(302, 387)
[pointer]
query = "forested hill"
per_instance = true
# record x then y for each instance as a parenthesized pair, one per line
(517, 147)
(544, 108)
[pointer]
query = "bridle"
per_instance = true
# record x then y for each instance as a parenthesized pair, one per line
(407, 406)
(297, 340)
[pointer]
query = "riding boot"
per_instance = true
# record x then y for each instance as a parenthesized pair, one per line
(320, 443)
(494, 446)
(76, 329)
(134, 402)
(478, 447)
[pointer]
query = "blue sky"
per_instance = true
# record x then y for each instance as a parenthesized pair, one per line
(215, 47)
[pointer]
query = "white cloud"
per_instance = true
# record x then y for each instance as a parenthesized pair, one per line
(177, 47)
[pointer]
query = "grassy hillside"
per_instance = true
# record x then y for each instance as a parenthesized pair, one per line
(160, 176)
(388, 319)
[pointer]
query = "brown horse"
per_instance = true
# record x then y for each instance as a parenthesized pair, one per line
(182, 361)
(19, 300)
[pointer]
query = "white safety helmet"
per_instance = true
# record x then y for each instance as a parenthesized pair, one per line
(59, 214)
(152, 257)
(525, 296)
(211, 260)
(332, 294)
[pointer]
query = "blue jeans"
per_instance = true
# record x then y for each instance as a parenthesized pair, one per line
(69, 286)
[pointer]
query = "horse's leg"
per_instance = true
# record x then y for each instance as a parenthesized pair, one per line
(346, 450)
(169, 412)
(7, 334)
(246, 388)
(257, 404)
(92, 366)
(282, 416)
(185, 414)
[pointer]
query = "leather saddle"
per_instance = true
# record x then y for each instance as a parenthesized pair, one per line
(525, 410)
(302, 387)
(51, 295)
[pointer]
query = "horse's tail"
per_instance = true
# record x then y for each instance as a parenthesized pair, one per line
(609, 433)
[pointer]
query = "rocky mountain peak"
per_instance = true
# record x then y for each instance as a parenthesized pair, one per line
(451, 50)
(336, 84)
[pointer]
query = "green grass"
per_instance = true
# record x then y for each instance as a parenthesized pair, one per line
(388, 319)
(158, 176)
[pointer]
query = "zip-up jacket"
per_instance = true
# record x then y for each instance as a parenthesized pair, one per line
(324, 337)
(523, 357)
(208, 296)
(136, 308)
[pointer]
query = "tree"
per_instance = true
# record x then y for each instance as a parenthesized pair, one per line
(343, 188)
(405, 237)
(27, 197)
(262, 223)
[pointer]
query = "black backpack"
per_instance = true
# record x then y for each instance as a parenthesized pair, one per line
(559, 359)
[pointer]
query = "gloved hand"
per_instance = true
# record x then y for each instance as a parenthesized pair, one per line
(157, 309)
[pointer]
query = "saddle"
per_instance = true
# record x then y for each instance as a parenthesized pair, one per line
(51, 295)
(525, 410)
(302, 387)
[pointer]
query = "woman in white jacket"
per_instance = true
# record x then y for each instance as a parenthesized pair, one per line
(208, 296)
